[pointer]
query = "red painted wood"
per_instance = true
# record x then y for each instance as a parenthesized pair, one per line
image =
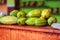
(30, 35)
(14, 35)
(15, 32)
(32, 28)
(58, 36)
(4, 34)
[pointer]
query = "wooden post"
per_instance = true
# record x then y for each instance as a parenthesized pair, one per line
(17, 4)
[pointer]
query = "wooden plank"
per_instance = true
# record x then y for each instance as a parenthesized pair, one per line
(4, 34)
(14, 35)
(30, 35)
(56, 31)
(30, 28)
(58, 36)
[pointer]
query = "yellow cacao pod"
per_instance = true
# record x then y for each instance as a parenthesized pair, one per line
(46, 13)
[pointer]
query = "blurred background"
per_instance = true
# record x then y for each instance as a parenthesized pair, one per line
(6, 6)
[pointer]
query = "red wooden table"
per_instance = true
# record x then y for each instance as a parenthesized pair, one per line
(16, 32)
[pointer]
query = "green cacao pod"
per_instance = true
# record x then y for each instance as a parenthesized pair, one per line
(30, 21)
(21, 14)
(40, 22)
(34, 13)
(8, 20)
(21, 21)
(52, 20)
(14, 13)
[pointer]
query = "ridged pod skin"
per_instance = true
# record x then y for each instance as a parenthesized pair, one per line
(8, 20)
(52, 20)
(21, 14)
(14, 13)
(21, 21)
(40, 22)
(30, 21)
(46, 13)
(34, 13)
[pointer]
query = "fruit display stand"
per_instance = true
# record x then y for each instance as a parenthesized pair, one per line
(16, 32)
